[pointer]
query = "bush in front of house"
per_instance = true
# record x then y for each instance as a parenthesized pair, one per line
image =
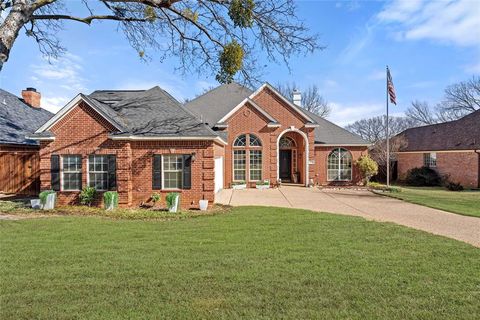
(452, 186)
(368, 167)
(423, 177)
(382, 187)
(170, 200)
(87, 195)
(155, 198)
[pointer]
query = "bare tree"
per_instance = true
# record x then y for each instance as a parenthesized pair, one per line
(422, 113)
(374, 129)
(378, 152)
(460, 99)
(219, 36)
(312, 100)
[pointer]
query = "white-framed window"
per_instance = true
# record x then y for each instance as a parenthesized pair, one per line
(98, 172)
(255, 165)
(239, 165)
(71, 167)
(241, 141)
(430, 159)
(172, 171)
(286, 143)
(339, 165)
(254, 141)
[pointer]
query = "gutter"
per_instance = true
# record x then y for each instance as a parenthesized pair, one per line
(172, 138)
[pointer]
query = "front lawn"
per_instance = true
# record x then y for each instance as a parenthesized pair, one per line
(461, 202)
(250, 262)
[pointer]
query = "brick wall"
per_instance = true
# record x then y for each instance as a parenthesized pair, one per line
(321, 156)
(460, 167)
(82, 132)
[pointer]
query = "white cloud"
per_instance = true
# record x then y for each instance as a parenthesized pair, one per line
(377, 75)
(58, 80)
(452, 22)
(343, 114)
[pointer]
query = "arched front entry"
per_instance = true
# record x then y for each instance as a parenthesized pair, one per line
(292, 156)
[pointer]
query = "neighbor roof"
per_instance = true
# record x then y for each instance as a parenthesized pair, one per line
(461, 134)
(142, 113)
(215, 104)
(18, 119)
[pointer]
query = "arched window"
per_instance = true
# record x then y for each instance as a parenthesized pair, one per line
(286, 143)
(254, 141)
(241, 141)
(339, 166)
(247, 150)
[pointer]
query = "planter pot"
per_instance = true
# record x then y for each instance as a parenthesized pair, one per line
(50, 202)
(36, 204)
(239, 186)
(263, 186)
(203, 205)
(174, 207)
(110, 206)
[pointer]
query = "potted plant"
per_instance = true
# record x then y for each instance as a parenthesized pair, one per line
(172, 200)
(265, 184)
(110, 200)
(48, 199)
(155, 198)
(239, 185)
(203, 204)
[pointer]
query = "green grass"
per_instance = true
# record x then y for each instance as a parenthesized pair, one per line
(251, 262)
(462, 202)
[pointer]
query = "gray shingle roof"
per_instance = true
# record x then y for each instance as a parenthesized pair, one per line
(151, 112)
(329, 133)
(216, 103)
(17, 119)
(461, 134)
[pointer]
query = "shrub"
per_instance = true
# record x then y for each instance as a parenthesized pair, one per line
(423, 176)
(368, 167)
(87, 195)
(382, 187)
(109, 198)
(452, 186)
(170, 199)
(237, 183)
(155, 198)
(43, 196)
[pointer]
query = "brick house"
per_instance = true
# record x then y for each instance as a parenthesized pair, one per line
(140, 142)
(19, 156)
(451, 148)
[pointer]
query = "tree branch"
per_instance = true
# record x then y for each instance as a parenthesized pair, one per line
(86, 20)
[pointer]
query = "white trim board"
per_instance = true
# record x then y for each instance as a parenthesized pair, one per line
(271, 88)
(156, 138)
(69, 107)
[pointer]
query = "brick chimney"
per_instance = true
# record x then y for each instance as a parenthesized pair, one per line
(31, 97)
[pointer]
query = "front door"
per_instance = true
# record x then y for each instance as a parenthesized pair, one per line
(286, 165)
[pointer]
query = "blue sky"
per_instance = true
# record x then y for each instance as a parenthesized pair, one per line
(428, 45)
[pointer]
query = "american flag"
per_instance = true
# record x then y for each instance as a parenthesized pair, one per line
(391, 88)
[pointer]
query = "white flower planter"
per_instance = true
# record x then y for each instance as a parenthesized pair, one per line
(239, 186)
(263, 186)
(110, 206)
(36, 204)
(50, 202)
(174, 207)
(203, 205)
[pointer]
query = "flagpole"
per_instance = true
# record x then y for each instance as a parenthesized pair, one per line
(388, 140)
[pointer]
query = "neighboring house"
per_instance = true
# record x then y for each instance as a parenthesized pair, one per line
(452, 148)
(141, 142)
(19, 158)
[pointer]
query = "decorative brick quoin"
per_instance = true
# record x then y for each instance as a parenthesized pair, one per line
(141, 142)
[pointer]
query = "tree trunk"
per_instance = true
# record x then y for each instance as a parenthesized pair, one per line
(18, 16)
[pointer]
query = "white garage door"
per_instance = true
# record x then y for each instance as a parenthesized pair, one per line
(218, 174)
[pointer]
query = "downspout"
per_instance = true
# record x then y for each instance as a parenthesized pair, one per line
(478, 170)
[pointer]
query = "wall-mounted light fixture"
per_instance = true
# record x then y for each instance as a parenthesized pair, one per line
(194, 156)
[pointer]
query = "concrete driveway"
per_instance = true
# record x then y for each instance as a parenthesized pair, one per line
(360, 203)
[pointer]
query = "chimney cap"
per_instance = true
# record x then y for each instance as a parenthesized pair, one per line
(31, 89)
